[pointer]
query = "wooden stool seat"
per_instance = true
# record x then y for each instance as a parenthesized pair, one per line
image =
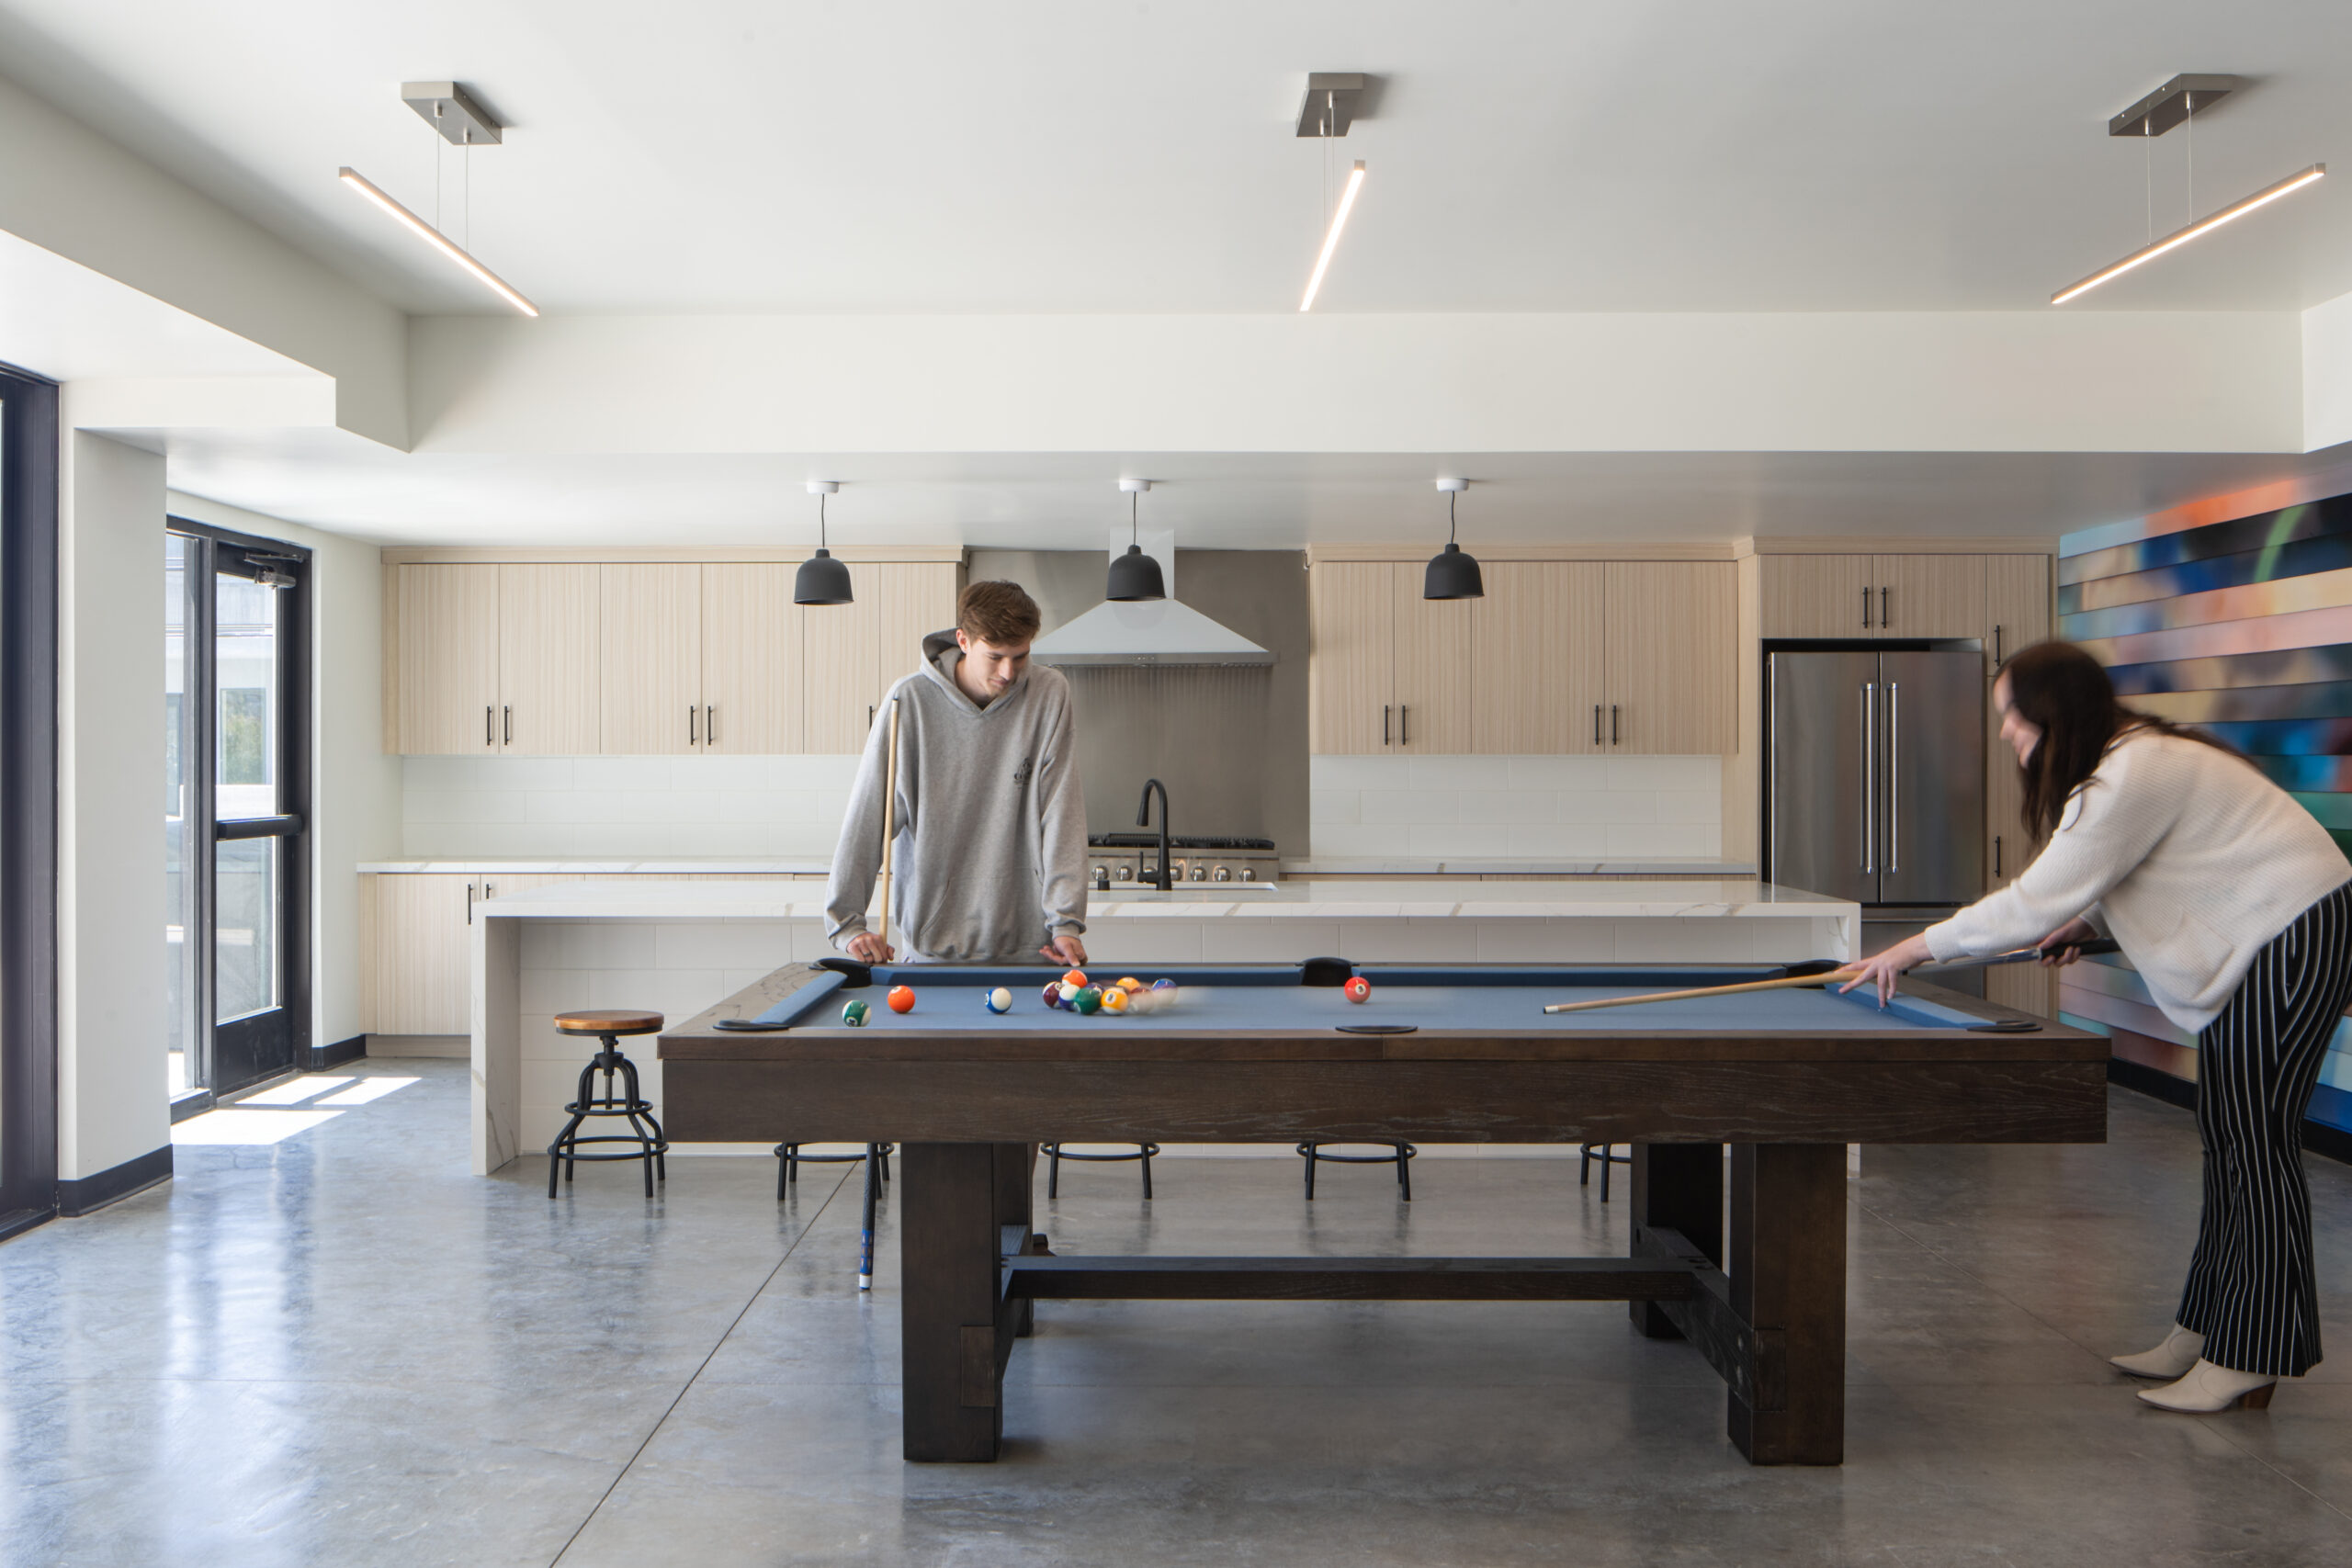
(609, 1021)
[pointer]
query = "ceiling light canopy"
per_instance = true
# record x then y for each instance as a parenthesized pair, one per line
(1134, 576)
(1452, 574)
(822, 579)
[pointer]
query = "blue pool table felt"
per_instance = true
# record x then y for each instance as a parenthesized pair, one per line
(1243, 998)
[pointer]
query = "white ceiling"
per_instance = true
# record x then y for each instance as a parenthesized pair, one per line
(338, 481)
(1071, 155)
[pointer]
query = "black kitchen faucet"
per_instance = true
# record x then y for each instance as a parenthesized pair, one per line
(1165, 877)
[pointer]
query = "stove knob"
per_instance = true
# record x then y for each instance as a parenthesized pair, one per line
(1102, 876)
(1225, 873)
(1200, 874)
(1249, 875)
(1126, 872)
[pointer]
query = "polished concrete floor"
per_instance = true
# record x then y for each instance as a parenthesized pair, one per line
(338, 1348)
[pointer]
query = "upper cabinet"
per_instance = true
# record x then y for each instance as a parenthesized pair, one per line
(673, 658)
(1389, 669)
(496, 659)
(1633, 657)
(1872, 596)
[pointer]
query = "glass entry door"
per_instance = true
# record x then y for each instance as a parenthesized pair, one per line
(235, 808)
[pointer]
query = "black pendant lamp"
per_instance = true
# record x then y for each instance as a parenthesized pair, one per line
(1453, 574)
(1134, 575)
(821, 579)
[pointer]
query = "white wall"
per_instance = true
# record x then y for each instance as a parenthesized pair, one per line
(623, 807)
(113, 1100)
(2014, 381)
(355, 788)
(1514, 807)
(2328, 374)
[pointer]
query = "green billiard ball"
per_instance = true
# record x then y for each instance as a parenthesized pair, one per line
(854, 1015)
(1089, 999)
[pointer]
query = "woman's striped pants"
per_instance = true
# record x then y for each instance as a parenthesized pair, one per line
(2251, 1291)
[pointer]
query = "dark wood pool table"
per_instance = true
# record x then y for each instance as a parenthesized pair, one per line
(1438, 1053)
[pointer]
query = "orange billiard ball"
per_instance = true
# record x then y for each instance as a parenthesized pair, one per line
(902, 999)
(1076, 979)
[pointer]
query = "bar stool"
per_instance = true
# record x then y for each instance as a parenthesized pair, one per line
(1398, 1154)
(1589, 1153)
(644, 1131)
(790, 1160)
(1054, 1154)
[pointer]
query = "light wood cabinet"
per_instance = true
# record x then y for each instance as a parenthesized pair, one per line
(856, 652)
(754, 673)
(446, 643)
(2017, 605)
(652, 654)
(2018, 608)
(551, 659)
(424, 967)
(1389, 671)
(1535, 646)
(1872, 596)
(1671, 628)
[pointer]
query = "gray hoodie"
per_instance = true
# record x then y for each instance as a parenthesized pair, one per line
(990, 855)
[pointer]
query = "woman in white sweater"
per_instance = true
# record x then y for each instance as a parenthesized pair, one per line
(2231, 902)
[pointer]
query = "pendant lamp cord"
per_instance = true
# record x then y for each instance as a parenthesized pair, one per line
(1451, 497)
(821, 520)
(1134, 524)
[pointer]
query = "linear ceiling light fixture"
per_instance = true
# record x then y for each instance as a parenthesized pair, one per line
(2177, 103)
(1334, 101)
(437, 240)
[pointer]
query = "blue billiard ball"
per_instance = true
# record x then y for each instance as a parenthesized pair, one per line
(998, 1000)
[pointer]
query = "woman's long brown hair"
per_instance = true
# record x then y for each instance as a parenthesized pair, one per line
(2062, 692)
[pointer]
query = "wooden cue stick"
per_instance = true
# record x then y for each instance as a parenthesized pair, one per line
(889, 818)
(1786, 982)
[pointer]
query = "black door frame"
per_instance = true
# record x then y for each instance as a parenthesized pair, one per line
(29, 459)
(243, 1052)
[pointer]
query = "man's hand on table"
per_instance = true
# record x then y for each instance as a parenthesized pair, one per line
(1065, 949)
(867, 948)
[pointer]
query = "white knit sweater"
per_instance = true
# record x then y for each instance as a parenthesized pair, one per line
(2186, 855)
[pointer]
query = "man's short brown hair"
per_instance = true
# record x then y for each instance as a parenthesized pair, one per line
(1000, 614)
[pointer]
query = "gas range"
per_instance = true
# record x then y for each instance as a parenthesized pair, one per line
(1113, 860)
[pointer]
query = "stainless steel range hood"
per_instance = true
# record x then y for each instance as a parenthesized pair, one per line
(1151, 631)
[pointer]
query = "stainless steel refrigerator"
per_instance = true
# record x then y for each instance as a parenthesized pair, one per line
(1874, 774)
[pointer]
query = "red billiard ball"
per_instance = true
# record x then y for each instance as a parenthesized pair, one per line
(1358, 989)
(902, 999)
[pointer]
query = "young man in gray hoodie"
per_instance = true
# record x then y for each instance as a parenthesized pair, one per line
(989, 862)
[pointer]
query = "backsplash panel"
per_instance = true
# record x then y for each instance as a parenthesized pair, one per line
(1513, 806)
(622, 807)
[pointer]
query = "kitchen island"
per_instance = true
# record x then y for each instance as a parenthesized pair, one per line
(677, 948)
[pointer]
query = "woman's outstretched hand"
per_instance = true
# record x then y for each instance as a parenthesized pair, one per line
(1887, 967)
(2066, 939)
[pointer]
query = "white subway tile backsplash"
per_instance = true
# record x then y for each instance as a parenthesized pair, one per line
(623, 807)
(1507, 806)
(1333, 805)
(1451, 772)
(1355, 772)
(1667, 773)
(1383, 805)
(1555, 773)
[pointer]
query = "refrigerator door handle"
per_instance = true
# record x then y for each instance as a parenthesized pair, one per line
(1894, 787)
(1771, 763)
(1869, 701)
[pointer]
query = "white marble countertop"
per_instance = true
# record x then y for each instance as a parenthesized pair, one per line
(804, 867)
(1352, 899)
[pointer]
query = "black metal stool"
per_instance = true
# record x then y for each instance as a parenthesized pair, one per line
(1055, 1156)
(1398, 1154)
(1591, 1152)
(790, 1160)
(644, 1131)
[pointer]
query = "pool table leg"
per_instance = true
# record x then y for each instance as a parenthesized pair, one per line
(955, 1328)
(1788, 1284)
(1677, 1187)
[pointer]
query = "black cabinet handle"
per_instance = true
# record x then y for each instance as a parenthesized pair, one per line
(691, 716)
(1383, 724)
(510, 727)
(1612, 724)
(709, 725)
(1866, 606)
(1596, 724)
(1404, 724)
(1997, 854)
(489, 726)
(469, 902)
(1884, 619)
(869, 716)
(1996, 649)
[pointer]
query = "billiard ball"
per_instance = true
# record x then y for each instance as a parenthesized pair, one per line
(998, 1000)
(1141, 1002)
(1053, 993)
(1076, 979)
(854, 1015)
(1358, 989)
(1068, 992)
(1088, 1000)
(1164, 993)
(1114, 1000)
(1130, 984)
(902, 999)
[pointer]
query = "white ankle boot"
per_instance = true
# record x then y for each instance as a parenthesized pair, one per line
(2170, 1359)
(2208, 1388)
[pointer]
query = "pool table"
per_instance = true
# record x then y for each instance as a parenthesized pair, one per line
(1436, 1054)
